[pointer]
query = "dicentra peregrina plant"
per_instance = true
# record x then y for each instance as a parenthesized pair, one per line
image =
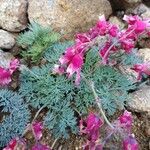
(116, 41)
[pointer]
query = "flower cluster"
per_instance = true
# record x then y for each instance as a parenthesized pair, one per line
(37, 128)
(20, 143)
(122, 125)
(117, 40)
(6, 73)
(16, 143)
(91, 127)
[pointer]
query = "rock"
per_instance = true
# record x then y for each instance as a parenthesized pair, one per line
(13, 15)
(117, 21)
(140, 100)
(5, 59)
(132, 1)
(68, 15)
(128, 72)
(7, 40)
(145, 54)
(143, 10)
(144, 42)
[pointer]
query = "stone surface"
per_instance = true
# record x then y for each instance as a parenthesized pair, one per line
(132, 1)
(140, 100)
(143, 10)
(68, 15)
(144, 43)
(117, 21)
(145, 54)
(13, 15)
(7, 40)
(5, 58)
(129, 73)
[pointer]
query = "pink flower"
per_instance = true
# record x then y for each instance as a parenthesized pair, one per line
(70, 52)
(130, 143)
(39, 146)
(93, 124)
(127, 45)
(126, 120)
(91, 127)
(37, 130)
(102, 25)
(83, 38)
(137, 23)
(123, 124)
(14, 64)
(15, 144)
(12, 144)
(72, 61)
(113, 30)
(5, 73)
(75, 64)
(142, 68)
(5, 76)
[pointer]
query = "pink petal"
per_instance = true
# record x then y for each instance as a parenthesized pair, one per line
(142, 68)
(75, 64)
(37, 130)
(5, 76)
(140, 26)
(130, 143)
(69, 54)
(113, 31)
(39, 146)
(14, 64)
(83, 38)
(126, 119)
(12, 144)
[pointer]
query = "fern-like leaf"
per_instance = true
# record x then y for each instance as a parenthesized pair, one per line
(15, 116)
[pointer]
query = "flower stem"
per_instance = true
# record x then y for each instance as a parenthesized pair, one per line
(30, 125)
(99, 105)
(54, 143)
(97, 100)
(113, 44)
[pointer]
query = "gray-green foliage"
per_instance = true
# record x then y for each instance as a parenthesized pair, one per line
(111, 86)
(131, 58)
(63, 99)
(36, 40)
(39, 87)
(15, 116)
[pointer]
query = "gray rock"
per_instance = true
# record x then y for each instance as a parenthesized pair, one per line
(143, 10)
(5, 59)
(7, 40)
(13, 15)
(115, 20)
(140, 100)
(145, 54)
(132, 1)
(68, 15)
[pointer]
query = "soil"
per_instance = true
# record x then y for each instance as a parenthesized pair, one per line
(140, 129)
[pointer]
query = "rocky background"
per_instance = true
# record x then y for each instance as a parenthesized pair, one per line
(69, 17)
